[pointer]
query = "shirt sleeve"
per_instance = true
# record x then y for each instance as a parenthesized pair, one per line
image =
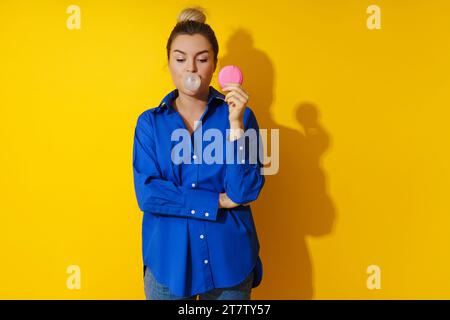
(160, 196)
(244, 178)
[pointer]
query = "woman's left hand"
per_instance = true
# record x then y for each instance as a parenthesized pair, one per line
(237, 99)
(226, 202)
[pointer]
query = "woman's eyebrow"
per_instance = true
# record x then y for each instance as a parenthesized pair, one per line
(203, 51)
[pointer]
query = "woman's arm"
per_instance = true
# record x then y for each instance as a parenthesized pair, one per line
(244, 178)
(160, 196)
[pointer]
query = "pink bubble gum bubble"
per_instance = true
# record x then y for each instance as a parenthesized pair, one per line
(230, 74)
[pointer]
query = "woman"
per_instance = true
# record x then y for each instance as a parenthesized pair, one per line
(198, 233)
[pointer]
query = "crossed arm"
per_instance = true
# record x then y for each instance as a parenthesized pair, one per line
(242, 183)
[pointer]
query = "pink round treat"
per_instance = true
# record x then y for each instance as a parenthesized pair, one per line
(230, 74)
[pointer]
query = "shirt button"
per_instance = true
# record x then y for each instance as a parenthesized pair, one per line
(193, 211)
(202, 236)
(206, 214)
(243, 161)
(194, 157)
(205, 261)
(193, 185)
(241, 148)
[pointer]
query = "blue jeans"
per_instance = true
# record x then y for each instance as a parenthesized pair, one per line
(157, 291)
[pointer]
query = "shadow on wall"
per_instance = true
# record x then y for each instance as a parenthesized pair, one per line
(294, 203)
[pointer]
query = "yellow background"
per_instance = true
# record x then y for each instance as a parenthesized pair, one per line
(363, 118)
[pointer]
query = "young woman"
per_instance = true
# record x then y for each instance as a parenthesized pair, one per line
(198, 233)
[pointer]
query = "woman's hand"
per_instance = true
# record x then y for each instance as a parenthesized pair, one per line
(226, 202)
(237, 99)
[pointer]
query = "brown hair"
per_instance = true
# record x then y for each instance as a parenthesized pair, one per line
(192, 21)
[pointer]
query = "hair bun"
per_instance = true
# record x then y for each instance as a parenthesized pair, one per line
(192, 14)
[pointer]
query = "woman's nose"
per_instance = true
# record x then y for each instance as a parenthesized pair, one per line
(191, 67)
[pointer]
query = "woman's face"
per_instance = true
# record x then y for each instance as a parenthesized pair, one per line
(191, 53)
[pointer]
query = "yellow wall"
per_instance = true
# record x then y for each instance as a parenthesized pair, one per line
(367, 184)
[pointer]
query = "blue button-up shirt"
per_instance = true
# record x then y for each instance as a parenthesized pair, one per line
(188, 242)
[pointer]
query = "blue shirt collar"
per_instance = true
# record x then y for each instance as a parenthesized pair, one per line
(166, 102)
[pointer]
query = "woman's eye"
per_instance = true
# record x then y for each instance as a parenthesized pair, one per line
(201, 60)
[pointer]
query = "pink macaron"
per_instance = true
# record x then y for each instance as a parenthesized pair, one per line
(230, 74)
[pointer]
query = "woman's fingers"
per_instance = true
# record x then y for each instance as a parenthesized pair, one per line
(234, 102)
(240, 99)
(235, 95)
(226, 202)
(236, 88)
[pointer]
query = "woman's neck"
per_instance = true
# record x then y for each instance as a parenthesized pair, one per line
(191, 104)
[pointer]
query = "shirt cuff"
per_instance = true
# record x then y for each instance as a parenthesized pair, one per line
(202, 204)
